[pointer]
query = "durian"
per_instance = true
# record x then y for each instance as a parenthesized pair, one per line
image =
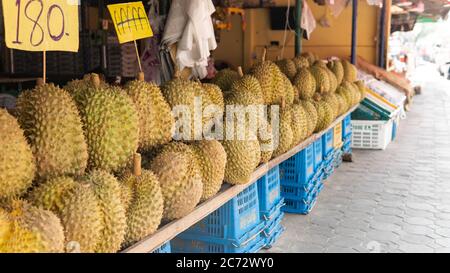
(224, 78)
(32, 230)
(53, 128)
(155, 117)
(17, 167)
(322, 80)
(305, 83)
(300, 62)
(179, 176)
(324, 112)
(288, 67)
(350, 71)
(78, 208)
(312, 115)
(285, 134)
(212, 159)
(243, 153)
(146, 206)
(110, 122)
(108, 192)
(336, 67)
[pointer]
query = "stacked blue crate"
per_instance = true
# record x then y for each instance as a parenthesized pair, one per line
(300, 177)
(165, 248)
(235, 227)
(328, 153)
(347, 135)
(270, 203)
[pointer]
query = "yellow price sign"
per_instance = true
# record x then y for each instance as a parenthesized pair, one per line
(41, 25)
(131, 21)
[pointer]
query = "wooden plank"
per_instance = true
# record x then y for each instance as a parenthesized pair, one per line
(172, 229)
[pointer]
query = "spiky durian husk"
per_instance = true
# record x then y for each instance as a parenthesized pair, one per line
(246, 91)
(362, 89)
(215, 94)
(224, 78)
(305, 83)
(290, 92)
(108, 192)
(288, 67)
(311, 111)
(146, 206)
(17, 166)
(179, 175)
(189, 95)
(111, 125)
(310, 57)
(155, 116)
(333, 102)
(212, 159)
(285, 134)
(322, 80)
(32, 230)
(53, 128)
(336, 67)
(300, 62)
(78, 208)
(268, 75)
(325, 114)
(350, 71)
(243, 152)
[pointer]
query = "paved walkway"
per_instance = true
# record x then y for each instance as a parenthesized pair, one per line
(397, 200)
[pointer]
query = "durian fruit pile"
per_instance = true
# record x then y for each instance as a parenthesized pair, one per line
(325, 89)
(66, 183)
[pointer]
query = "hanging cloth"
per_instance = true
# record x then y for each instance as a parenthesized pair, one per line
(189, 24)
(308, 23)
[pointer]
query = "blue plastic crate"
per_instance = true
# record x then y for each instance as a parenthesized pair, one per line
(273, 230)
(327, 142)
(337, 161)
(269, 191)
(192, 244)
(299, 169)
(234, 221)
(165, 248)
(299, 206)
(346, 126)
(318, 154)
(297, 192)
(267, 216)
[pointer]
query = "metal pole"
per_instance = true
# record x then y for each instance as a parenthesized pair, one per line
(298, 28)
(354, 29)
(382, 38)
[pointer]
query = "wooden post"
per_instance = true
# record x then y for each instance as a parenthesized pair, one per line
(354, 30)
(298, 27)
(137, 55)
(44, 66)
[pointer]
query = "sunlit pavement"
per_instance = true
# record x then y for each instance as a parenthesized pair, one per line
(397, 200)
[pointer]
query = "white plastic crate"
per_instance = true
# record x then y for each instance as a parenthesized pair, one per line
(371, 134)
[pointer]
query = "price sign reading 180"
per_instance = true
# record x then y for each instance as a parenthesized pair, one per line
(41, 25)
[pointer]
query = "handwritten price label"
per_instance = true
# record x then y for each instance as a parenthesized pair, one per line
(41, 25)
(131, 21)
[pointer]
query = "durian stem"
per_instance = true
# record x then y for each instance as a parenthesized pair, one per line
(39, 82)
(137, 161)
(44, 66)
(283, 103)
(137, 55)
(95, 80)
(264, 55)
(278, 58)
(240, 72)
(141, 76)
